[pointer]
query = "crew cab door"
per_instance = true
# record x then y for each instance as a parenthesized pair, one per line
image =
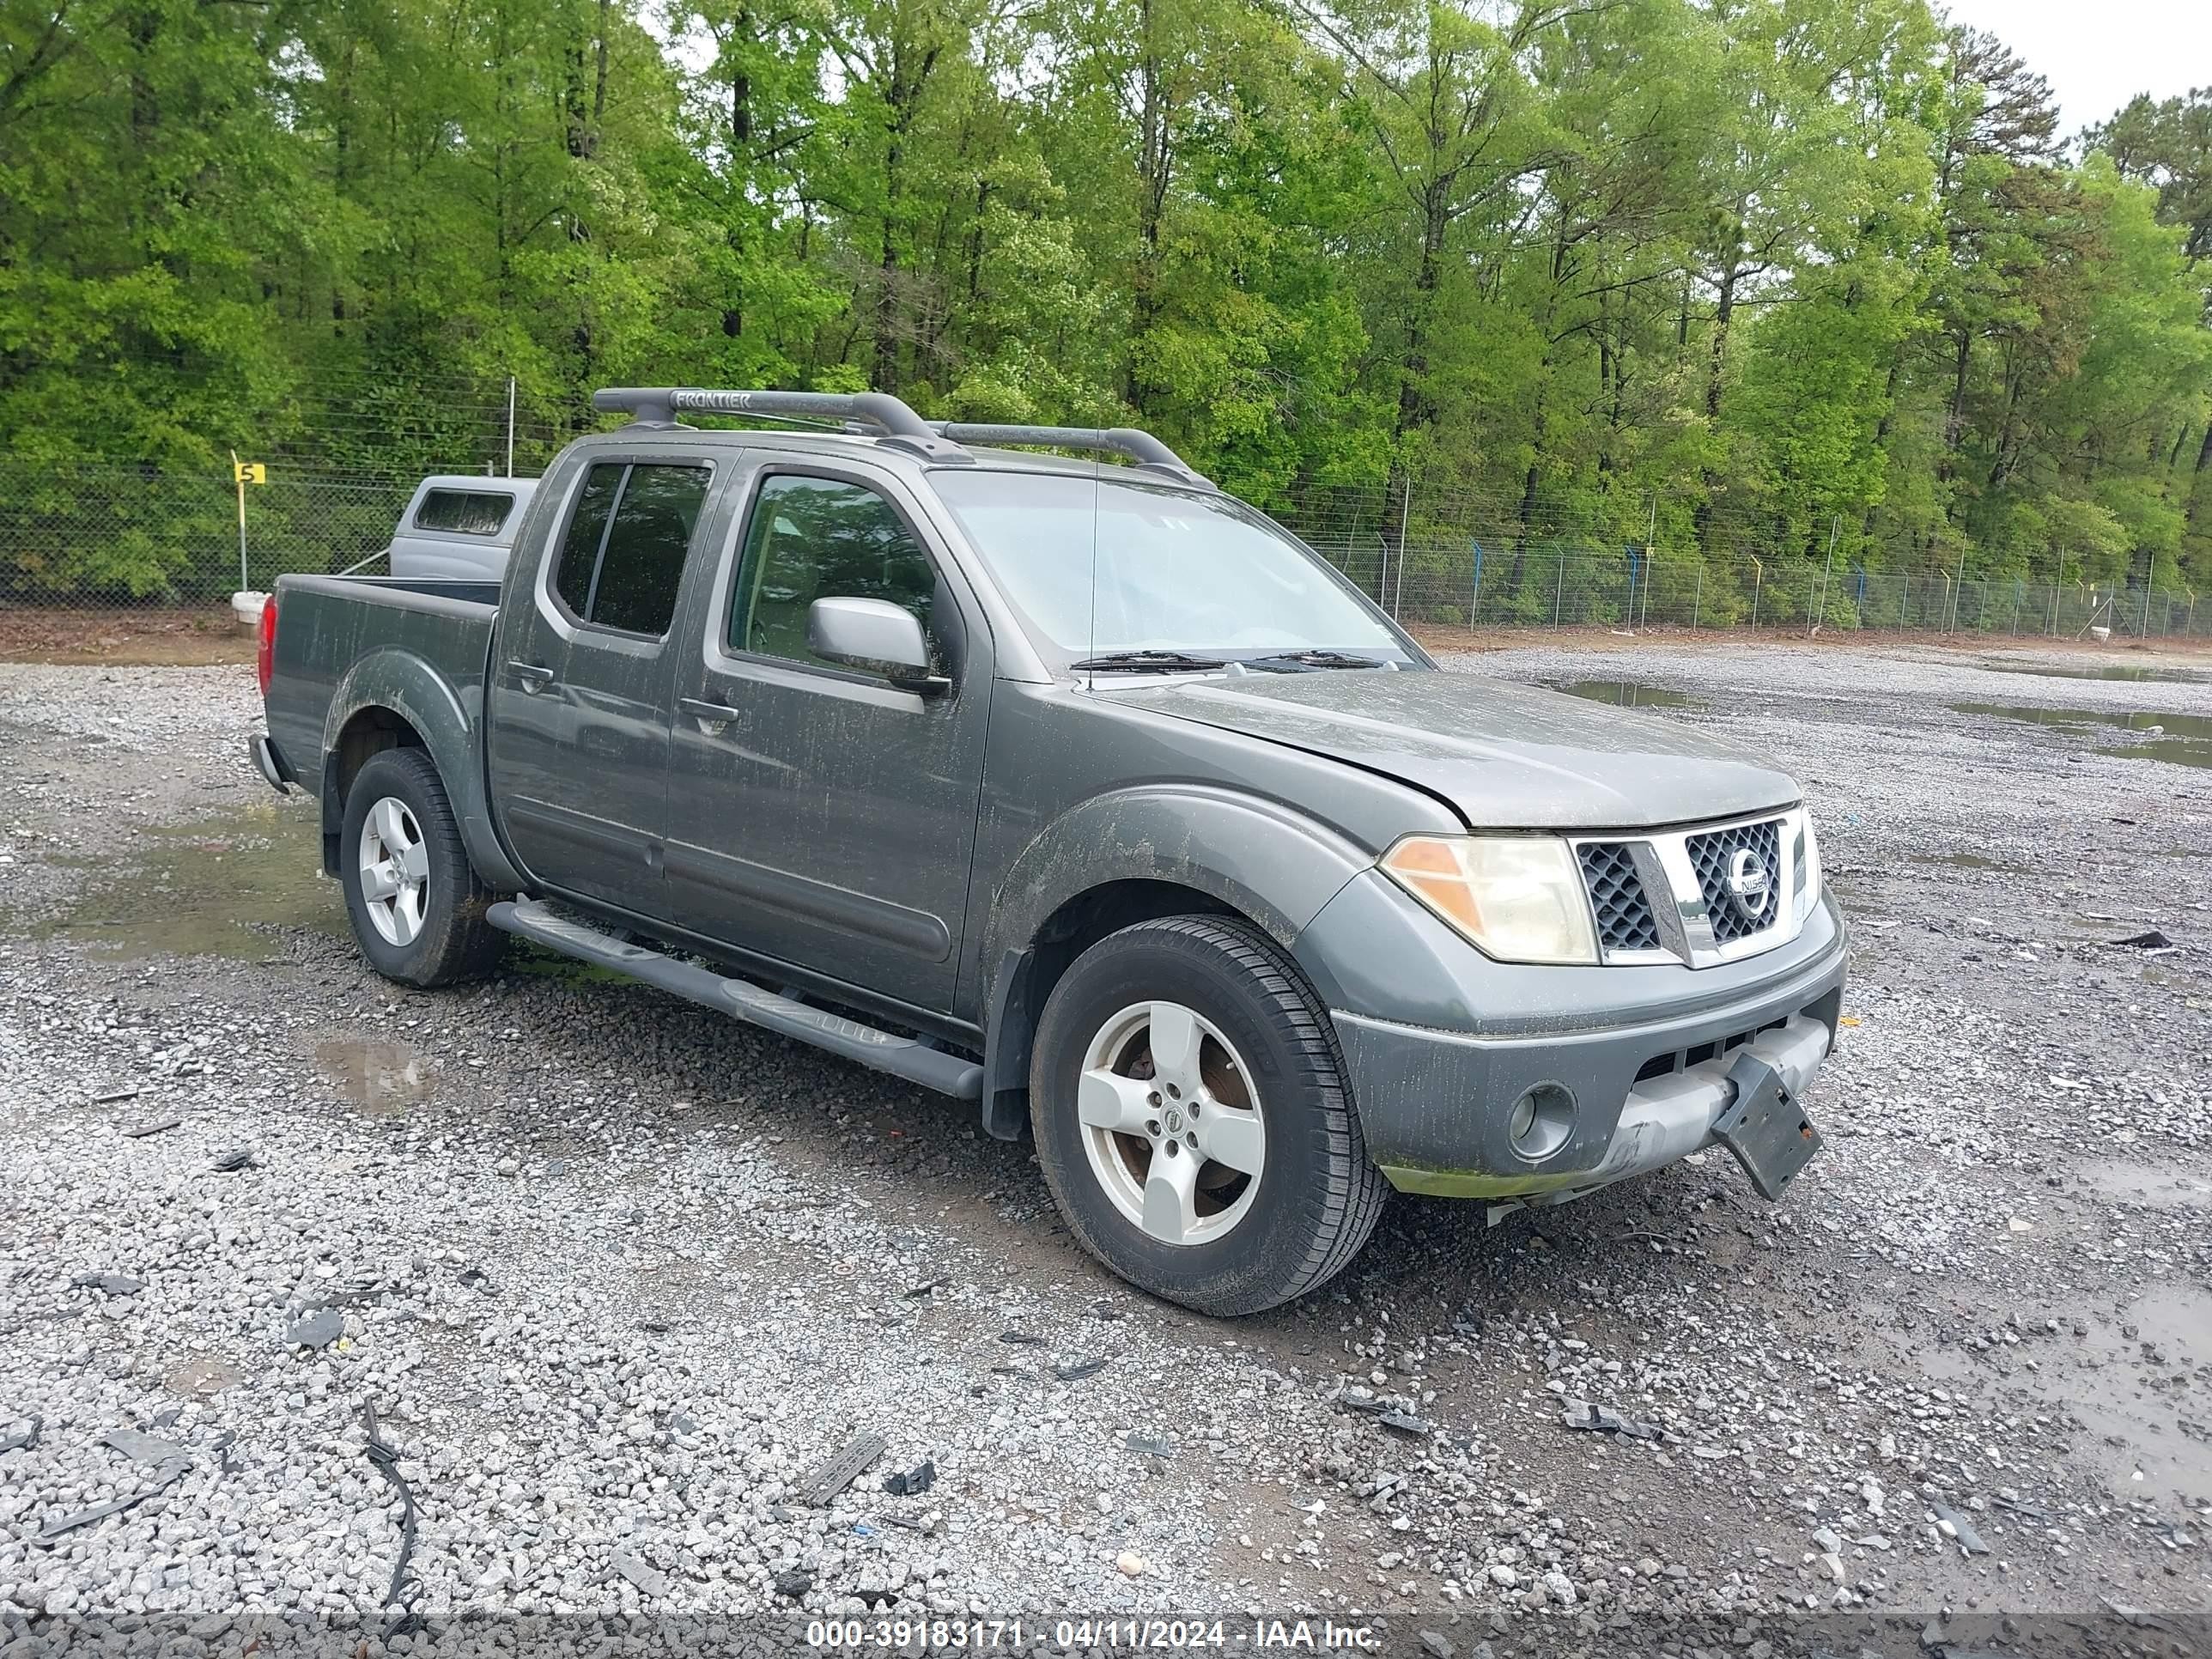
(582, 666)
(819, 816)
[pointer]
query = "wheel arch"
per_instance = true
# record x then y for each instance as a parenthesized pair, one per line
(1133, 856)
(394, 699)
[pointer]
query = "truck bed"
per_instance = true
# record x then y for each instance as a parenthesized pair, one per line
(347, 632)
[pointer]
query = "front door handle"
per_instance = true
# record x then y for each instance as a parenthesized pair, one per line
(712, 716)
(535, 677)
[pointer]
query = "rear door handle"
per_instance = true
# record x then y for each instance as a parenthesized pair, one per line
(712, 716)
(535, 677)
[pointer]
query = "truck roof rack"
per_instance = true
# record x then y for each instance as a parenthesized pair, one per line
(893, 422)
(1148, 452)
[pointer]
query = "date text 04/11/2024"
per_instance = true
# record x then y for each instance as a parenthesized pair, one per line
(1072, 1635)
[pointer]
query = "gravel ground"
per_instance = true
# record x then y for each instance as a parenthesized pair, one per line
(616, 1275)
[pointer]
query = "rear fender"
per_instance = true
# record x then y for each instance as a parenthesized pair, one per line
(448, 722)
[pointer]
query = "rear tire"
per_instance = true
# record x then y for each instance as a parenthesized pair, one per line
(1191, 1118)
(416, 906)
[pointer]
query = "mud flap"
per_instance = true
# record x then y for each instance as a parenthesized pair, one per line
(1765, 1127)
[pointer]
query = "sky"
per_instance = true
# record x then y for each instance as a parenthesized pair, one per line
(2097, 54)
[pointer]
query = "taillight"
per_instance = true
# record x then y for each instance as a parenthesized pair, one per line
(265, 661)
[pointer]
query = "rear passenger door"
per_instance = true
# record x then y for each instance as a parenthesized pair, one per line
(581, 675)
(819, 816)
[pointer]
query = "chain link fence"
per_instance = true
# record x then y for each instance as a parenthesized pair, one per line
(92, 537)
(77, 538)
(1559, 586)
(1448, 556)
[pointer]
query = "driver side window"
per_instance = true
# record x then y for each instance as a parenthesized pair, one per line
(820, 538)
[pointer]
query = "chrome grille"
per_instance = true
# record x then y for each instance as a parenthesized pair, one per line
(1710, 856)
(1663, 896)
(1625, 922)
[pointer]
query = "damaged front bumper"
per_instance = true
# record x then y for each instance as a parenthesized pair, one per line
(1630, 1069)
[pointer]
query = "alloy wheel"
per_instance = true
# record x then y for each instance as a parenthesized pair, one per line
(395, 871)
(1172, 1123)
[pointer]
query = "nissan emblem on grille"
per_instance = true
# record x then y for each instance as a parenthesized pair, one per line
(1750, 888)
(1737, 870)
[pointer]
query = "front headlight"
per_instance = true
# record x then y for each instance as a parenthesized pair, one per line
(1518, 898)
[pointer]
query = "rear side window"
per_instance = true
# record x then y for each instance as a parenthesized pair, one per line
(622, 558)
(465, 512)
(820, 538)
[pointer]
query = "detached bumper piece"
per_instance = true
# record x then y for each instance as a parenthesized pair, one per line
(1765, 1127)
(1748, 1098)
(1745, 1099)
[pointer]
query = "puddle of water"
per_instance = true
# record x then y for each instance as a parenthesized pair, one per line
(1628, 693)
(2180, 739)
(2177, 751)
(2110, 671)
(1978, 861)
(2148, 1184)
(2120, 1401)
(221, 886)
(2198, 727)
(380, 1077)
(2140, 1412)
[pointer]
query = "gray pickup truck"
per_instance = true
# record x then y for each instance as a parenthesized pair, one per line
(1066, 784)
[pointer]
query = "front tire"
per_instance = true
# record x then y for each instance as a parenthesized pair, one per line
(416, 906)
(1191, 1118)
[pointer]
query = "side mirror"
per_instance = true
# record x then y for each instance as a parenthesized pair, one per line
(876, 637)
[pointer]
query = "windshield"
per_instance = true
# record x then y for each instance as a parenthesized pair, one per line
(1174, 570)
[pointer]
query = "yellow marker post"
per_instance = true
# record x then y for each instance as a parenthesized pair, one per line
(243, 473)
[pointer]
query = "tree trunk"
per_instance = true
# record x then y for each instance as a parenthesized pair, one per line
(1154, 163)
(902, 91)
(2203, 465)
(886, 321)
(341, 154)
(583, 111)
(976, 246)
(1955, 420)
(2001, 465)
(600, 79)
(575, 123)
(741, 137)
(1716, 370)
(1416, 409)
(145, 32)
(1606, 393)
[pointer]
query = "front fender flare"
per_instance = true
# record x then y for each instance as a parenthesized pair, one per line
(1259, 857)
(1265, 859)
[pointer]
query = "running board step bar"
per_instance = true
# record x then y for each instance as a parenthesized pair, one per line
(902, 1056)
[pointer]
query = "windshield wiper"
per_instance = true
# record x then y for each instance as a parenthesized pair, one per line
(1298, 660)
(1146, 662)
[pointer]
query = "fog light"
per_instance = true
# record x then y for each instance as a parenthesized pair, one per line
(1540, 1120)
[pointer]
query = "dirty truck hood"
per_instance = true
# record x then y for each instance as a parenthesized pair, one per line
(1508, 756)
